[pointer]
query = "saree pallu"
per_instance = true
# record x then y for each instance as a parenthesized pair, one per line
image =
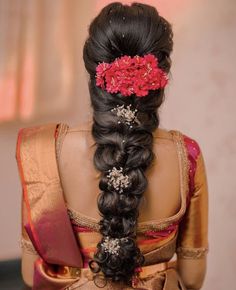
(48, 225)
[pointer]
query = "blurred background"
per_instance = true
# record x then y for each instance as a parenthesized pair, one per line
(43, 79)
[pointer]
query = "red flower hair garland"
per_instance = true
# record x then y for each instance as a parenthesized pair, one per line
(131, 75)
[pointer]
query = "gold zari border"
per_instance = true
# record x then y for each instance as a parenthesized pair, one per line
(191, 253)
(27, 246)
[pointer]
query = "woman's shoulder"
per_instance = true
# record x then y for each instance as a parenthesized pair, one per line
(85, 126)
(192, 145)
(190, 142)
(29, 138)
(36, 132)
(37, 128)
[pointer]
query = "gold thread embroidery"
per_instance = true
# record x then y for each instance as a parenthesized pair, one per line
(191, 253)
(186, 163)
(27, 246)
(62, 130)
(83, 220)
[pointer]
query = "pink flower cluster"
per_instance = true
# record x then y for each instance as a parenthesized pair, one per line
(131, 75)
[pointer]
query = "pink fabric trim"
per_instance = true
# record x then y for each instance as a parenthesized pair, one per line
(81, 229)
(193, 150)
(165, 233)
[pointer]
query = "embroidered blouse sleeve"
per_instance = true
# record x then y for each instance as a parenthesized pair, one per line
(192, 244)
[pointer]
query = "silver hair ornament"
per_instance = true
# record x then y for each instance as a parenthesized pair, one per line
(117, 179)
(126, 115)
(112, 245)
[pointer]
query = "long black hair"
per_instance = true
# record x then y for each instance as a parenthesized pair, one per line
(119, 29)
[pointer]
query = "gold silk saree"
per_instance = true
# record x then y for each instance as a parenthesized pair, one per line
(65, 240)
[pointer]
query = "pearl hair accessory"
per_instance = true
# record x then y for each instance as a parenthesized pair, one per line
(126, 115)
(117, 179)
(112, 245)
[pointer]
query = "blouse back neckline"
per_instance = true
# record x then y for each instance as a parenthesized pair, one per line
(160, 224)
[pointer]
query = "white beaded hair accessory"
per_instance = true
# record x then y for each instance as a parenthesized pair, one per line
(126, 115)
(112, 245)
(117, 179)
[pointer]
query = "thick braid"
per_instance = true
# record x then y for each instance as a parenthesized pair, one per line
(124, 150)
